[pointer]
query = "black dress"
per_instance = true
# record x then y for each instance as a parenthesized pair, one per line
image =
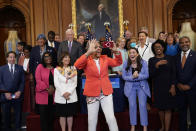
(162, 78)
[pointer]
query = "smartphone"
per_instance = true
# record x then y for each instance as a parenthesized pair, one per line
(108, 44)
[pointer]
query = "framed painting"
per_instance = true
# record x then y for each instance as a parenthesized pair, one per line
(96, 13)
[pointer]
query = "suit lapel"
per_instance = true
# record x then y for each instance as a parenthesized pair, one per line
(15, 70)
(8, 70)
(179, 63)
(39, 50)
(188, 60)
(66, 47)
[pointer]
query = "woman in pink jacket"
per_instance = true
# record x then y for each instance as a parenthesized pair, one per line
(45, 91)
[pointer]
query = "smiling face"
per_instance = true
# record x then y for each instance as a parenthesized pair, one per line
(133, 54)
(98, 48)
(66, 60)
(121, 43)
(48, 60)
(142, 38)
(81, 39)
(158, 49)
(170, 39)
(11, 59)
(69, 35)
(185, 44)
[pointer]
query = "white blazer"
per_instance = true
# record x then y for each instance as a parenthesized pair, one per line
(145, 52)
(62, 87)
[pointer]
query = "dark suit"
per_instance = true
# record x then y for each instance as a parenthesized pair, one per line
(76, 50)
(99, 23)
(35, 58)
(187, 76)
(56, 45)
(12, 83)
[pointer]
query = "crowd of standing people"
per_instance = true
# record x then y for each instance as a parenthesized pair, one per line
(162, 70)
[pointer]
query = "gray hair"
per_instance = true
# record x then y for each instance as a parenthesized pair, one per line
(185, 37)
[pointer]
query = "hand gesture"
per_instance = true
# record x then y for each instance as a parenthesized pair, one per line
(172, 90)
(91, 48)
(17, 94)
(8, 96)
(51, 90)
(66, 95)
(161, 62)
(114, 49)
(135, 74)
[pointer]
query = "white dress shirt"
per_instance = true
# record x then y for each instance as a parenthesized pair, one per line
(187, 53)
(97, 64)
(51, 44)
(12, 67)
(25, 64)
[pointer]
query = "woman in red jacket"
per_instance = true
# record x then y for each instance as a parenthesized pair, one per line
(98, 89)
(45, 91)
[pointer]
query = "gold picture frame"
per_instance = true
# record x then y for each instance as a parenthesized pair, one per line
(120, 9)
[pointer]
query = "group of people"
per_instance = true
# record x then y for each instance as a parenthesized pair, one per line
(166, 67)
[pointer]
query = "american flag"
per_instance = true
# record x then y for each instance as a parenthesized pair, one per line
(89, 35)
(108, 35)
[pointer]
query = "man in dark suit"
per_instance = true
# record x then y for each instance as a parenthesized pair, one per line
(186, 83)
(38, 51)
(99, 19)
(51, 42)
(73, 47)
(11, 80)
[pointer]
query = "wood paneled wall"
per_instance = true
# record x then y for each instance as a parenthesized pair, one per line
(45, 15)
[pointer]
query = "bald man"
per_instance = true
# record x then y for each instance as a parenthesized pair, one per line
(69, 45)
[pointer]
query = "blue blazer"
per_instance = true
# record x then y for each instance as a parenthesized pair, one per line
(35, 57)
(11, 83)
(142, 78)
(187, 75)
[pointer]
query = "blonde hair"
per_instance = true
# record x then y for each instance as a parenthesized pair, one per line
(119, 40)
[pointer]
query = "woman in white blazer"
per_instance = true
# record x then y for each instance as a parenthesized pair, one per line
(65, 81)
(144, 46)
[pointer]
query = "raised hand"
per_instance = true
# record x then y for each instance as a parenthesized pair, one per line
(114, 48)
(91, 48)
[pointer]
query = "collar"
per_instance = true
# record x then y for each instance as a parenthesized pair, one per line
(10, 65)
(50, 42)
(187, 52)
